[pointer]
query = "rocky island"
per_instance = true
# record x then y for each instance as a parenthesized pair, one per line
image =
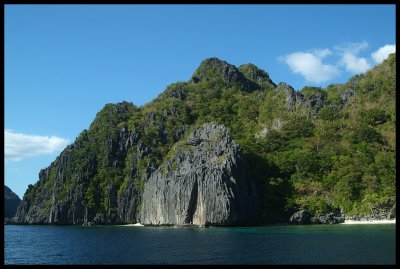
(229, 147)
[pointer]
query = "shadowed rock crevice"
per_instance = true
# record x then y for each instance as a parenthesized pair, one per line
(192, 204)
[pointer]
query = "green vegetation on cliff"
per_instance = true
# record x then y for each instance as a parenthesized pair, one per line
(315, 149)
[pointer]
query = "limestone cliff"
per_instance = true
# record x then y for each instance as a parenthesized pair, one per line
(203, 183)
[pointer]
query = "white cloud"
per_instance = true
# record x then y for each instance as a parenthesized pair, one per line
(382, 53)
(355, 64)
(18, 146)
(349, 58)
(309, 65)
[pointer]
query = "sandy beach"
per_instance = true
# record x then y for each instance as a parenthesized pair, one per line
(132, 224)
(370, 221)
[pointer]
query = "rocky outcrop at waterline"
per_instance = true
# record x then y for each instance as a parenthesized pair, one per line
(305, 217)
(382, 211)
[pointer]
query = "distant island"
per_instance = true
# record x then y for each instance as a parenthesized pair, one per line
(11, 203)
(229, 147)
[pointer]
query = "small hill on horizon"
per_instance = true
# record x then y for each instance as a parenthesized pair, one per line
(11, 202)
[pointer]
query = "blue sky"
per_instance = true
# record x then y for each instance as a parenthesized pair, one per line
(63, 63)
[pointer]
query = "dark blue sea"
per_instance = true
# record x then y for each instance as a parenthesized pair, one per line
(314, 244)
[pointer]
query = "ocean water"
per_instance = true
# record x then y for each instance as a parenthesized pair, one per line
(314, 244)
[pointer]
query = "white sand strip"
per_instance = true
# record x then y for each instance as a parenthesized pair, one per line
(132, 224)
(385, 221)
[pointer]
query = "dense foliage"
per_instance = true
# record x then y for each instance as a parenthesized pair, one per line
(341, 155)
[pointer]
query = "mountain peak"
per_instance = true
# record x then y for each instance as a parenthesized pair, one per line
(214, 69)
(255, 74)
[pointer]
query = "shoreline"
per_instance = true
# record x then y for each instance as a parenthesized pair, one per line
(132, 224)
(384, 221)
(347, 222)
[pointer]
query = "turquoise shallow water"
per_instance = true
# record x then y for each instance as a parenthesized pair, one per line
(314, 244)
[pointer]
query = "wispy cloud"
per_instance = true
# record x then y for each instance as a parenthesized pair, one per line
(382, 53)
(321, 53)
(310, 66)
(352, 47)
(18, 146)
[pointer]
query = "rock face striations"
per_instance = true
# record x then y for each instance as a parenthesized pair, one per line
(203, 183)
